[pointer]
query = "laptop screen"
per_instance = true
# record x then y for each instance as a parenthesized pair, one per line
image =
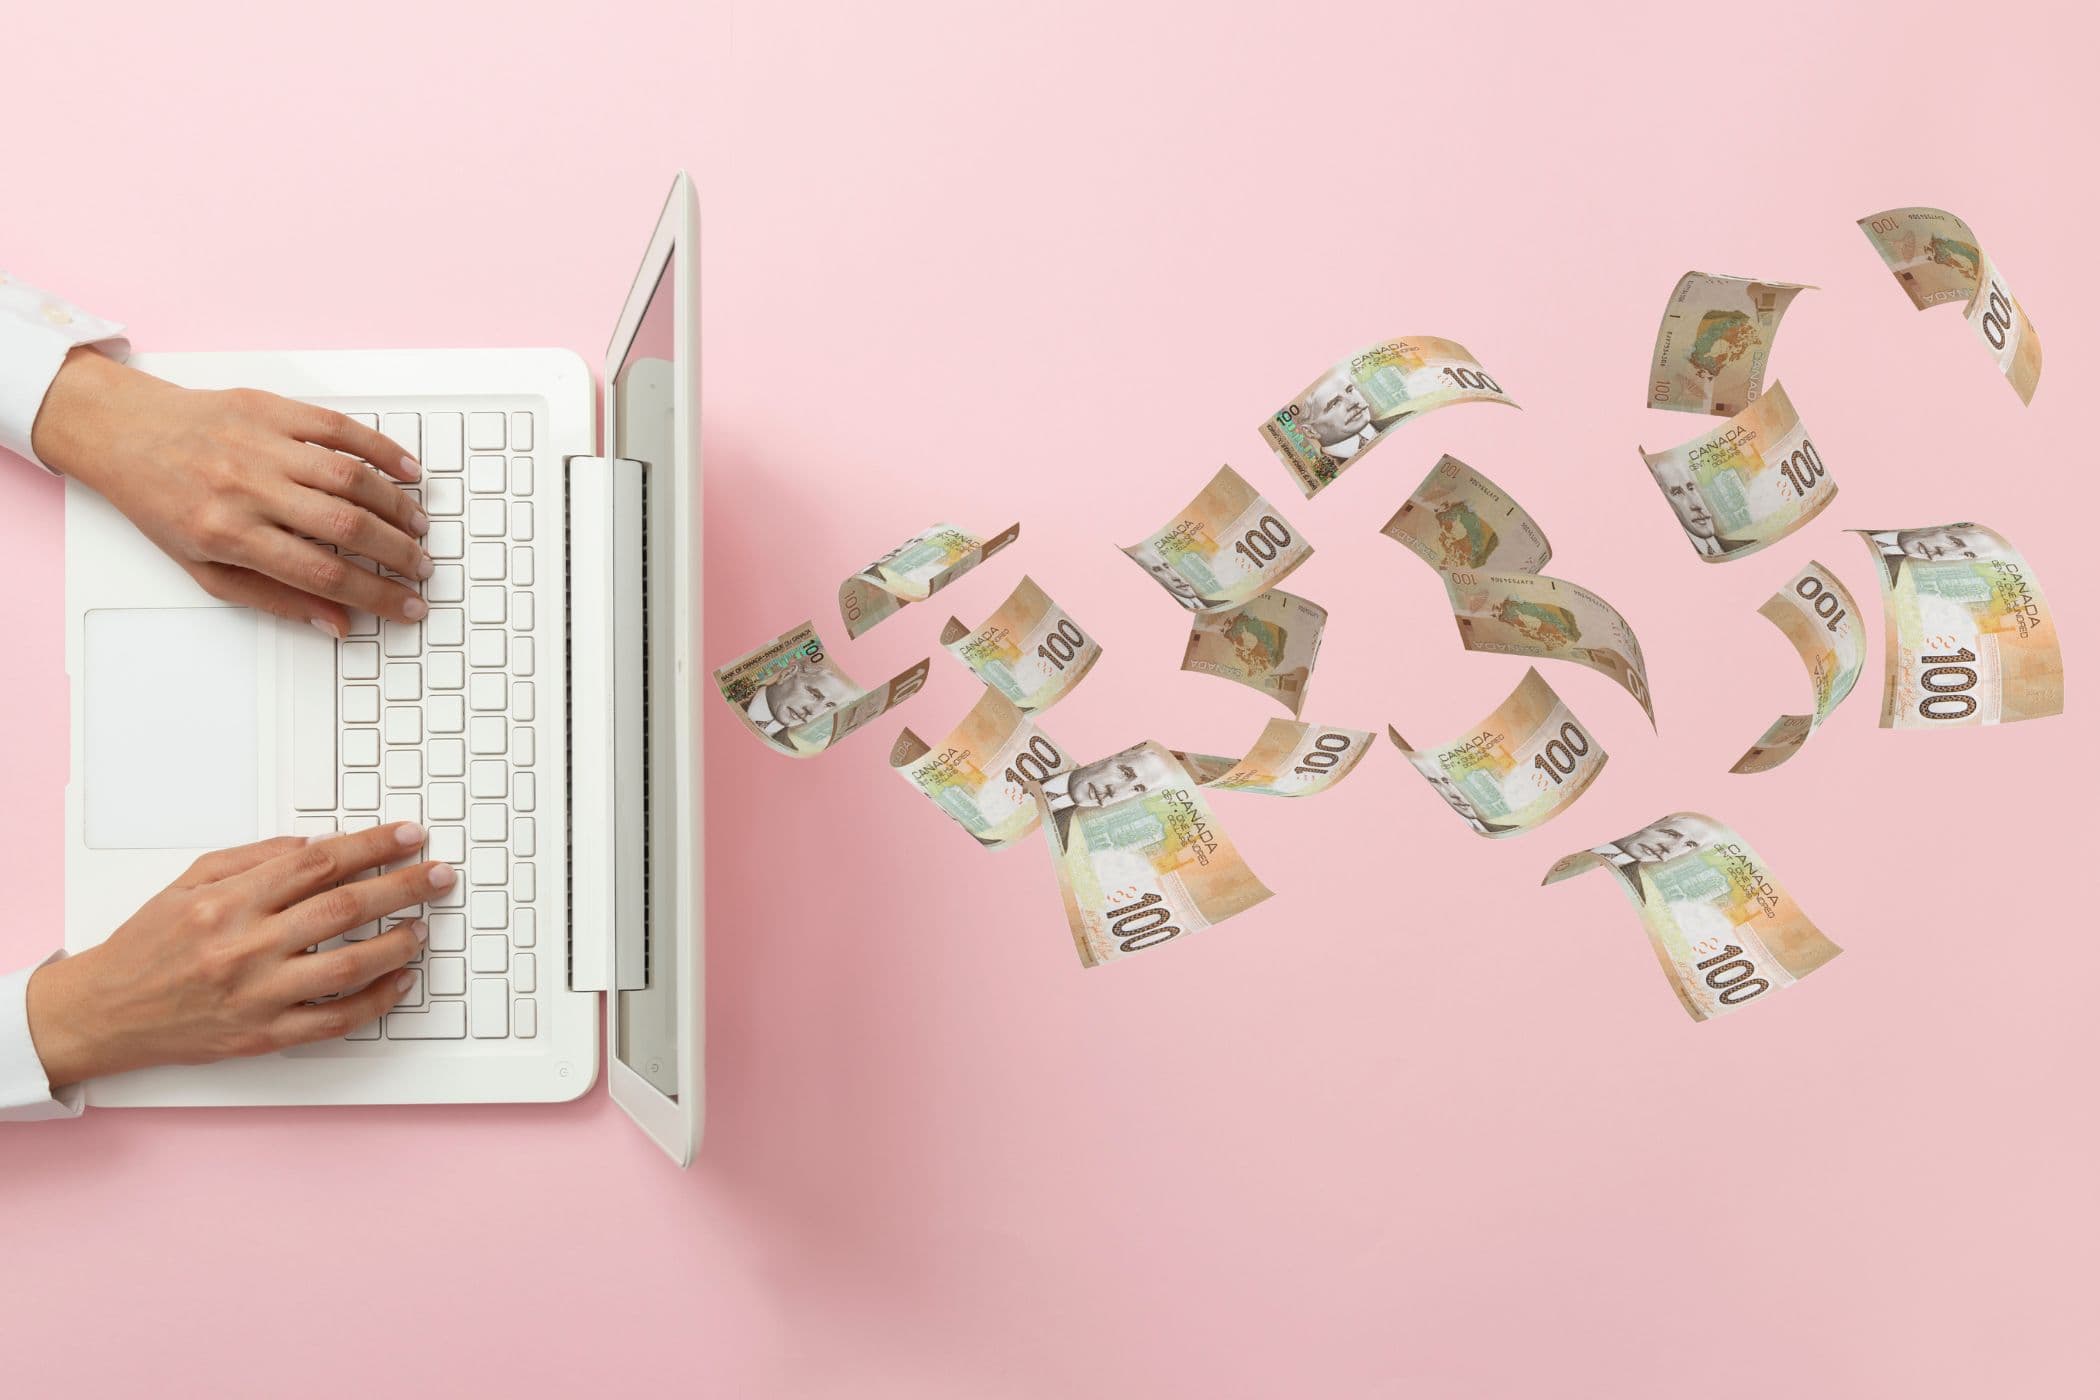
(648, 1019)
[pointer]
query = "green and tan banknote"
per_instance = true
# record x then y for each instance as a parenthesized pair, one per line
(1724, 929)
(1755, 479)
(1029, 650)
(1139, 857)
(914, 571)
(791, 693)
(1346, 411)
(1533, 615)
(1270, 645)
(1516, 768)
(981, 774)
(1715, 336)
(1818, 616)
(1969, 637)
(1289, 759)
(1227, 547)
(1458, 519)
(1937, 259)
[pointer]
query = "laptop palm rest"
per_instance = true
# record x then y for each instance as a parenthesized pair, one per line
(171, 742)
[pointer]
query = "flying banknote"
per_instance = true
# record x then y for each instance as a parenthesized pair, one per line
(1715, 337)
(914, 571)
(1458, 519)
(791, 693)
(1937, 259)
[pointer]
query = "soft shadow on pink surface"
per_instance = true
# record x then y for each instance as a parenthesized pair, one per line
(1413, 1127)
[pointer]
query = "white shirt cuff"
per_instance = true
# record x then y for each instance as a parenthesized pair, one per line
(36, 332)
(24, 1092)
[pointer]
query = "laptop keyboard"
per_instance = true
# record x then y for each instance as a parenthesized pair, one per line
(437, 725)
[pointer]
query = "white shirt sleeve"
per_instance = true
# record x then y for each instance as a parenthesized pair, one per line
(36, 331)
(24, 1092)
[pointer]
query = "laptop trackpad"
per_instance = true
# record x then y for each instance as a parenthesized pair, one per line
(170, 745)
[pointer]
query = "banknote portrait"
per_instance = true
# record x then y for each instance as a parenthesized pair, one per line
(803, 690)
(1667, 839)
(1135, 771)
(1338, 416)
(1680, 487)
(1942, 542)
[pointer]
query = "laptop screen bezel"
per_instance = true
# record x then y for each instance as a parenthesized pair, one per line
(675, 1124)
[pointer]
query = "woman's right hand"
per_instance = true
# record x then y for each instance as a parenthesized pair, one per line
(215, 965)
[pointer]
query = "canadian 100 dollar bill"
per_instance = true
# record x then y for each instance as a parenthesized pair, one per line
(1271, 645)
(1750, 482)
(1723, 927)
(1289, 759)
(1713, 342)
(1228, 546)
(1347, 411)
(1030, 650)
(1818, 615)
(1458, 519)
(914, 571)
(792, 694)
(1936, 258)
(1140, 859)
(1969, 637)
(981, 773)
(1535, 615)
(1522, 765)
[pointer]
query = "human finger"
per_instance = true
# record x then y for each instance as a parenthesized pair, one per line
(349, 478)
(329, 913)
(342, 433)
(214, 866)
(340, 521)
(299, 874)
(312, 569)
(352, 966)
(332, 1020)
(230, 583)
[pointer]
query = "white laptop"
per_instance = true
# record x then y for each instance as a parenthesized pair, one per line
(539, 722)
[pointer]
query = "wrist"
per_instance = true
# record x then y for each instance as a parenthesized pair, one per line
(63, 1021)
(75, 427)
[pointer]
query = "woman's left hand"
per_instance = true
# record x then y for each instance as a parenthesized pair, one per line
(237, 485)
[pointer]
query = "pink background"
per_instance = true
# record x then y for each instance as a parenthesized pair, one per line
(1415, 1125)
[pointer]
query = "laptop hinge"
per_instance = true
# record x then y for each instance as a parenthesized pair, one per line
(607, 920)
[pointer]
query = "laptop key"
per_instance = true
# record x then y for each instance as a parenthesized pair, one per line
(488, 1007)
(445, 627)
(485, 519)
(524, 928)
(447, 977)
(489, 821)
(521, 431)
(489, 952)
(446, 539)
(444, 1020)
(524, 1018)
(444, 495)
(359, 660)
(484, 432)
(447, 843)
(448, 670)
(524, 973)
(448, 934)
(485, 476)
(406, 429)
(441, 442)
(360, 704)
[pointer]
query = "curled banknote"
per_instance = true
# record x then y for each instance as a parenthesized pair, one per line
(1458, 519)
(1289, 759)
(1270, 645)
(914, 571)
(1343, 414)
(1755, 479)
(1139, 857)
(791, 693)
(1715, 337)
(1533, 615)
(1725, 931)
(981, 774)
(1818, 616)
(1969, 637)
(1228, 546)
(1937, 259)
(1029, 650)
(1516, 768)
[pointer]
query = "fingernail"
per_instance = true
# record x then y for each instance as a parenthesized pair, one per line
(404, 981)
(419, 524)
(442, 876)
(409, 835)
(421, 931)
(325, 627)
(424, 568)
(414, 609)
(412, 469)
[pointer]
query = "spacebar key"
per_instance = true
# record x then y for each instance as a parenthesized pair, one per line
(310, 654)
(445, 1020)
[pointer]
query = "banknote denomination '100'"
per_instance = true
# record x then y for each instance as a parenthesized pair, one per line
(1523, 764)
(981, 773)
(1750, 482)
(1030, 649)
